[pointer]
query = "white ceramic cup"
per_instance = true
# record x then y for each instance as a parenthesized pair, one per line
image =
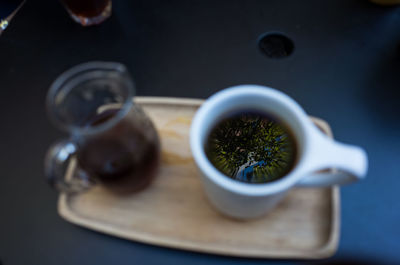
(316, 152)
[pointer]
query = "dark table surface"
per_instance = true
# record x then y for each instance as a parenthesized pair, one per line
(345, 69)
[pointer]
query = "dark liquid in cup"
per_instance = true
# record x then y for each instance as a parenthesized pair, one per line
(124, 158)
(86, 8)
(251, 147)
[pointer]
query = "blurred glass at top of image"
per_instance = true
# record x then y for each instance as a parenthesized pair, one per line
(88, 12)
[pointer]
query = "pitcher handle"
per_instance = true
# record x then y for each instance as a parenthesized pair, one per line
(61, 169)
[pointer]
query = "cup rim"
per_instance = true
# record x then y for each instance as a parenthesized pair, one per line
(209, 171)
(81, 68)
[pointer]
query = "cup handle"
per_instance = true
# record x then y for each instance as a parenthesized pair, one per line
(348, 163)
(61, 169)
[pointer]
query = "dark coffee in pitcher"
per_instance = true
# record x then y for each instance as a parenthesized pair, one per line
(125, 158)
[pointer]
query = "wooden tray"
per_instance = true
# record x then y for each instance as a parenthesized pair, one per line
(174, 211)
